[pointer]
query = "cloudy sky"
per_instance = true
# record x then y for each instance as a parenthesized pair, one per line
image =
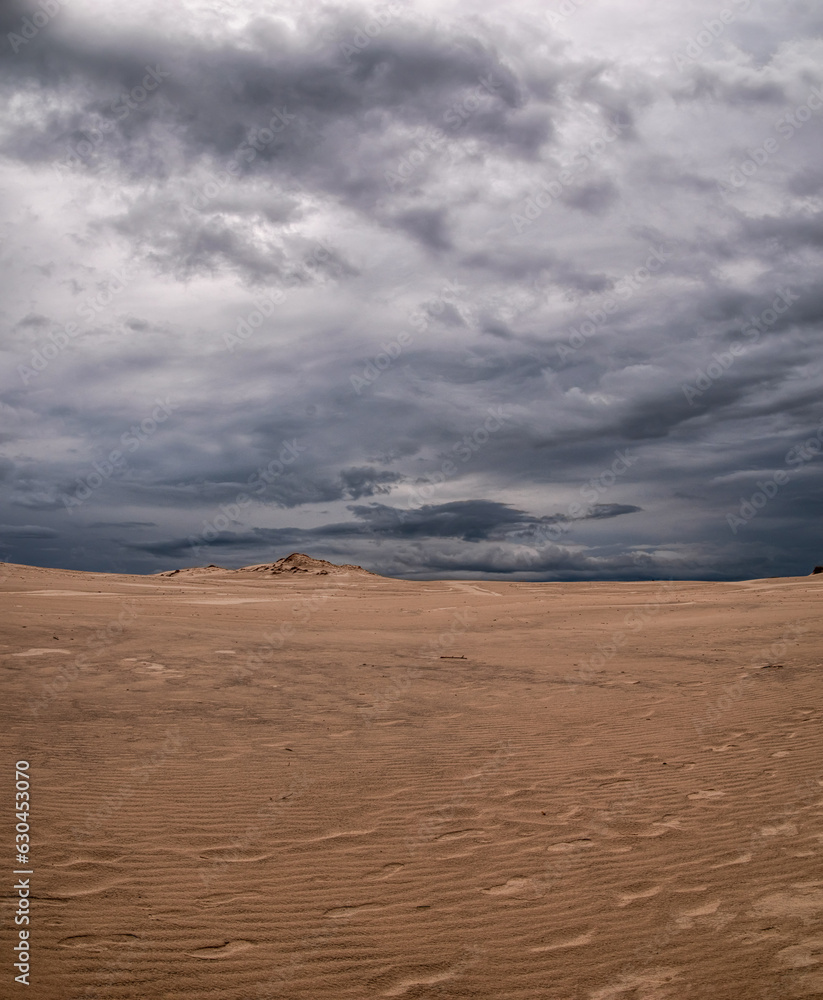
(444, 289)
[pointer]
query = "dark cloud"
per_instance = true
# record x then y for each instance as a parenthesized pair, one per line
(380, 263)
(427, 225)
(123, 524)
(8, 531)
(471, 521)
(594, 198)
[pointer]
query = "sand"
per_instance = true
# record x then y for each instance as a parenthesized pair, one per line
(304, 785)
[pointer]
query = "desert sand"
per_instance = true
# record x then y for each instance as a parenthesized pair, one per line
(288, 783)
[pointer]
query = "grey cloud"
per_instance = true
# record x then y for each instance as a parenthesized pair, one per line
(429, 225)
(594, 198)
(171, 195)
(469, 521)
(26, 531)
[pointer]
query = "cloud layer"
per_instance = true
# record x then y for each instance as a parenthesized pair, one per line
(439, 289)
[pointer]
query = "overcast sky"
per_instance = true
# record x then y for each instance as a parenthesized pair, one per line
(444, 289)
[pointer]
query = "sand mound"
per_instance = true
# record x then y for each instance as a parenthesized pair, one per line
(194, 571)
(298, 562)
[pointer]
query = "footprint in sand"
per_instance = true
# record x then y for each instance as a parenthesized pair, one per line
(97, 941)
(232, 854)
(225, 950)
(459, 834)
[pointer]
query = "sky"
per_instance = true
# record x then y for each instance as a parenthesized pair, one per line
(453, 289)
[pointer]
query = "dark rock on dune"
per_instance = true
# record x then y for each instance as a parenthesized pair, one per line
(299, 563)
(292, 565)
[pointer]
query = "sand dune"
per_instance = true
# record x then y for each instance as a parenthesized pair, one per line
(296, 564)
(288, 783)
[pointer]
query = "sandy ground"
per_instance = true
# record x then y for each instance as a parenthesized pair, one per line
(344, 786)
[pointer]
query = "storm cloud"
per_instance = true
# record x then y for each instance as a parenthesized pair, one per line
(444, 290)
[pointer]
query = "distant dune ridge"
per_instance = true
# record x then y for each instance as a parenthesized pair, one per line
(298, 563)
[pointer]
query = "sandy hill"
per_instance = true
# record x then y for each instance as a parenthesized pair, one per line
(298, 563)
(195, 571)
